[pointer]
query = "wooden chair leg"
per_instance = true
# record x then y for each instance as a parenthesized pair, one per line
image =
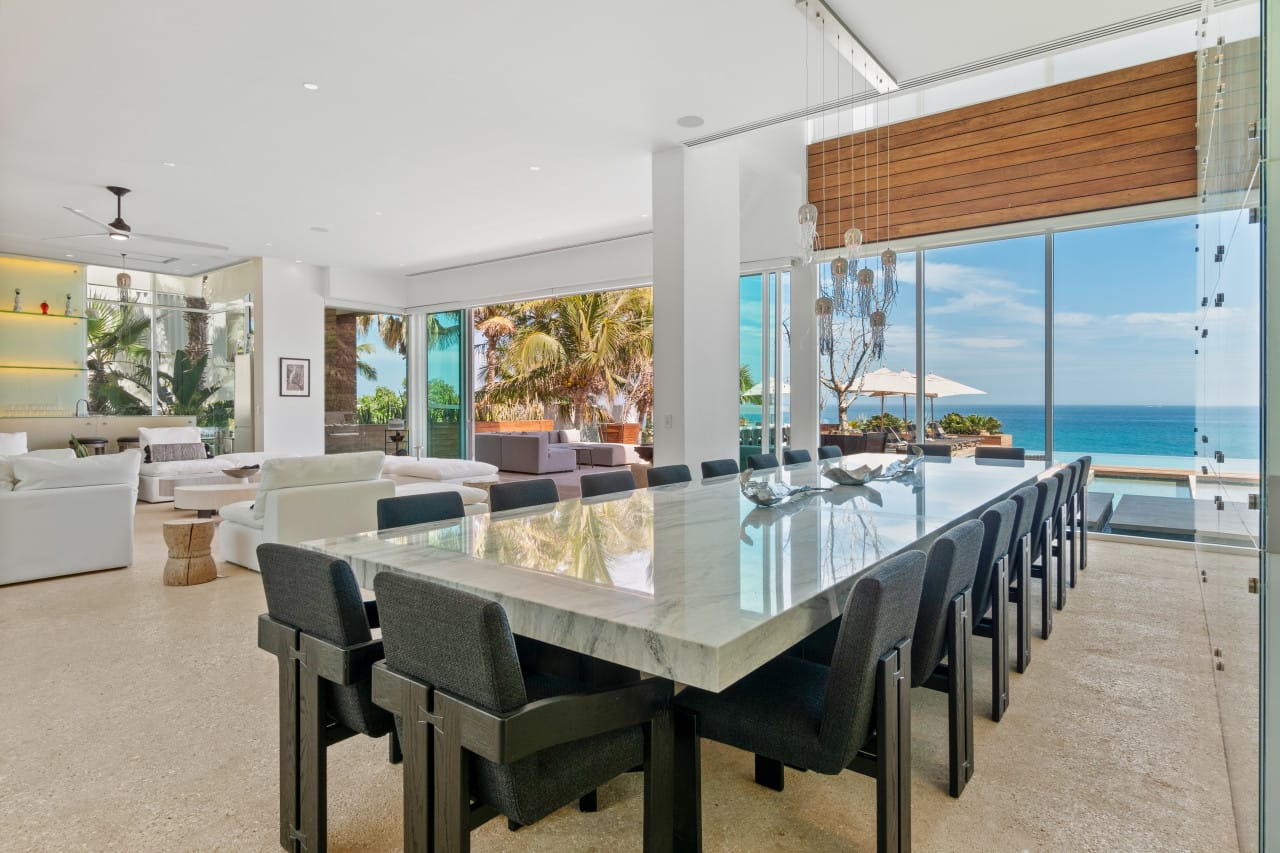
(419, 774)
(453, 785)
(1000, 640)
(893, 751)
(1021, 566)
(394, 754)
(659, 791)
(959, 693)
(769, 773)
(687, 790)
(303, 741)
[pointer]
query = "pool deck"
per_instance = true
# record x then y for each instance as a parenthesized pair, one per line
(1187, 519)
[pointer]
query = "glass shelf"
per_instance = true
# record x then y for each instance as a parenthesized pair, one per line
(38, 314)
(40, 367)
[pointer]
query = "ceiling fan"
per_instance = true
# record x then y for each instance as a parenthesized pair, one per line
(118, 229)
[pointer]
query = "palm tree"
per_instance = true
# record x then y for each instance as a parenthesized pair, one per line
(119, 340)
(391, 329)
(497, 323)
(578, 353)
(364, 368)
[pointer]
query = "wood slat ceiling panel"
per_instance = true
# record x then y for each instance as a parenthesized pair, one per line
(1121, 138)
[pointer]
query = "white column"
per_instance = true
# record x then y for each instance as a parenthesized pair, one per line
(416, 374)
(804, 358)
(696, 253)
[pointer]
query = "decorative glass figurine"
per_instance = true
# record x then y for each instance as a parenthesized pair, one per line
(17, 299)
(68, 309)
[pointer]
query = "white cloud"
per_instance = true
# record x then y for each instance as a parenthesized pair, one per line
(994, 342)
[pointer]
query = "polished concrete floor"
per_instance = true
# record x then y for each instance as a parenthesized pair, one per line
(140, 717)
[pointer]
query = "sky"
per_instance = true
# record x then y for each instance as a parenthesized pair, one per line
(1126, 306)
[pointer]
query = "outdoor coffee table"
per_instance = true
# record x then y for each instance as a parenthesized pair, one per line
(208, 499)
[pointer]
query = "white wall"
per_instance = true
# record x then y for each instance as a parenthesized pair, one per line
(354, 288)
(290, 323)
(625, 262)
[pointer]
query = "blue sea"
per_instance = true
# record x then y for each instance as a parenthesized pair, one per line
(1119, 430)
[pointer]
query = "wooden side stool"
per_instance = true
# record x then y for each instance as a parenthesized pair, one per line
(190, 544)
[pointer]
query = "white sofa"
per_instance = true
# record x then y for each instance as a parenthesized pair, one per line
(407, 470)
(314, 497)
(157, 480)
(60, 515)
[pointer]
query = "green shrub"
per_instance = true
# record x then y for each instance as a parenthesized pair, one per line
(958, 424)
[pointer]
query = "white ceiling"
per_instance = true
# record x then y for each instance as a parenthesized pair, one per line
(429, 113)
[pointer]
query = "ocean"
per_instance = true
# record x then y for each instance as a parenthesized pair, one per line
(1119, 430)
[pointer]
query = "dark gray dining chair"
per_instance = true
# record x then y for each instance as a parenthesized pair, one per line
(1081, 524)
(1061, 546)
(1019, 554)
(482, 737)
(762, 461)
(520, 494)
(1042, 549)
(405, 510)
(794, 457)
(933, 448)
(994, 452)
(666, 475)
(607, 483)
(944, 624)
(830, 451)
(991, 597)
(319, 629)
(854, 714)
(719, 468)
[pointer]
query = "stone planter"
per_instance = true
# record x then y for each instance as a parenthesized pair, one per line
(514, 426)
(620, 433)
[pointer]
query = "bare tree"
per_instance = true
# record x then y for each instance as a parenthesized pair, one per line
(858, 325)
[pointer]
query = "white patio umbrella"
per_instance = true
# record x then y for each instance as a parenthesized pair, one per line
(889, 383)
(939, 386)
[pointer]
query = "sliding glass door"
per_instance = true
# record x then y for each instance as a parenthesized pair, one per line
(764, 352)
(447, 390)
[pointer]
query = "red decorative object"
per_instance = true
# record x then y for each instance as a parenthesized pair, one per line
(44, 307)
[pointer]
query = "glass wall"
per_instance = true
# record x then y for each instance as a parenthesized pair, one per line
(366, 388)
(156, 345)
(446, 376)
(764, 353)
(1227, 321)
(984, 344)
(866, 377)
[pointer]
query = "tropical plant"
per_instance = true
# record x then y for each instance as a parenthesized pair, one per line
(958, 424)
(380, 406)
(577, 354)
(391, 329)
(443, 402)
(183, 391)
(364, 368)
(745, 383)
(886, 420)
(119, 336)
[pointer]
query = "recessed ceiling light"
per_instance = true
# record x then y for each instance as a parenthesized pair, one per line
(644, 216)
(320, 229)
(535, 168)
(77, 210)
(401, 264)
(70, 256)
(690, 121)
(297, 261)
(266, 244)
(311, 87)
(377, 213)
(168, 163)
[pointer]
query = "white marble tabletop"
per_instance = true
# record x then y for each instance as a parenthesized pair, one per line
(691, 582)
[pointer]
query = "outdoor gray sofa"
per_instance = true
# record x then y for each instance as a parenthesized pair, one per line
(544, 452)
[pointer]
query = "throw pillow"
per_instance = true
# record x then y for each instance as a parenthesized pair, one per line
(176, 452)
(13, 443)
(167, 435)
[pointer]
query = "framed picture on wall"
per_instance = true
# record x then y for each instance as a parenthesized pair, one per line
(295, 377)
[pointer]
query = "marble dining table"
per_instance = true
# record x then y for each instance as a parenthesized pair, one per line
(692, 581)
